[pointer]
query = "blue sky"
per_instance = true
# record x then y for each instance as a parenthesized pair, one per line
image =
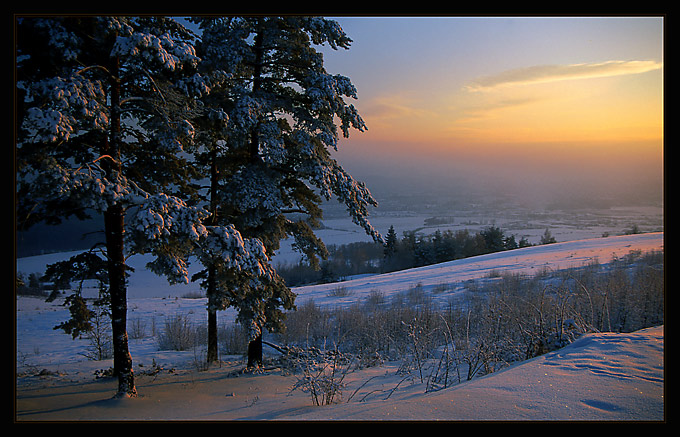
(578, 95)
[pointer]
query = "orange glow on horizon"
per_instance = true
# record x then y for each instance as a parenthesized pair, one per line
(622, 109)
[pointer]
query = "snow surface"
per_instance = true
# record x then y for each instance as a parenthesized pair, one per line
(603, 376)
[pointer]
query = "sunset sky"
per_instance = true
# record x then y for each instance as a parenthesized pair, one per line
(550, 100)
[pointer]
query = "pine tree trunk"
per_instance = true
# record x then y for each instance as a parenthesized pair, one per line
(211, 292)
(254, 147)
(122, 360)
(213, 355)
(114, 227)
(255, 352)
(255, 345)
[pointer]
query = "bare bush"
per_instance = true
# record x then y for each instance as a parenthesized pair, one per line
(504, 320)
(340, 291)
(99, 337)
(235, 339)
(178, 335)
(323, 375)
(137, 328)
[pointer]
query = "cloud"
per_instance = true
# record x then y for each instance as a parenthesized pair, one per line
(553, 73)
(479, 112)
(393, 107)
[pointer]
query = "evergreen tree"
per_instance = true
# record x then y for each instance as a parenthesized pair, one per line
(217, 160)
(523, 242)
(494, 239)
(103, 127)
(510, 243)
(391, 242)
(281, 106)
(547, 237)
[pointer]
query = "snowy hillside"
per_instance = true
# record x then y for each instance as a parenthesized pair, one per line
(598, 377)
(529, 261)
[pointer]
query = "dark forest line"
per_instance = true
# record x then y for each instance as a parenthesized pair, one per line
(412, 250)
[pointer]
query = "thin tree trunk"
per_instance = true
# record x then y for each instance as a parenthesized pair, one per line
(212, 355)
(211, 292)
(114, 229)
(254, 149)
(122, 360)
(255, 345)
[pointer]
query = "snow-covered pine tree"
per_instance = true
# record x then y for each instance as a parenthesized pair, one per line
(282, 108)
(103, 127)
(225, 285)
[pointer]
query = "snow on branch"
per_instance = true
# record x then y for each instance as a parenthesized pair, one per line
(62, 105)
(323, 31)
(169, 53)
(235, 252)
(50, 181)
(173, 231)
(334, 180)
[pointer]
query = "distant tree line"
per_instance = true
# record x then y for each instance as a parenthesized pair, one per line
(412, 250)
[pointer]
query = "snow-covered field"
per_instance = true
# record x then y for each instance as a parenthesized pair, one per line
(598, 377)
